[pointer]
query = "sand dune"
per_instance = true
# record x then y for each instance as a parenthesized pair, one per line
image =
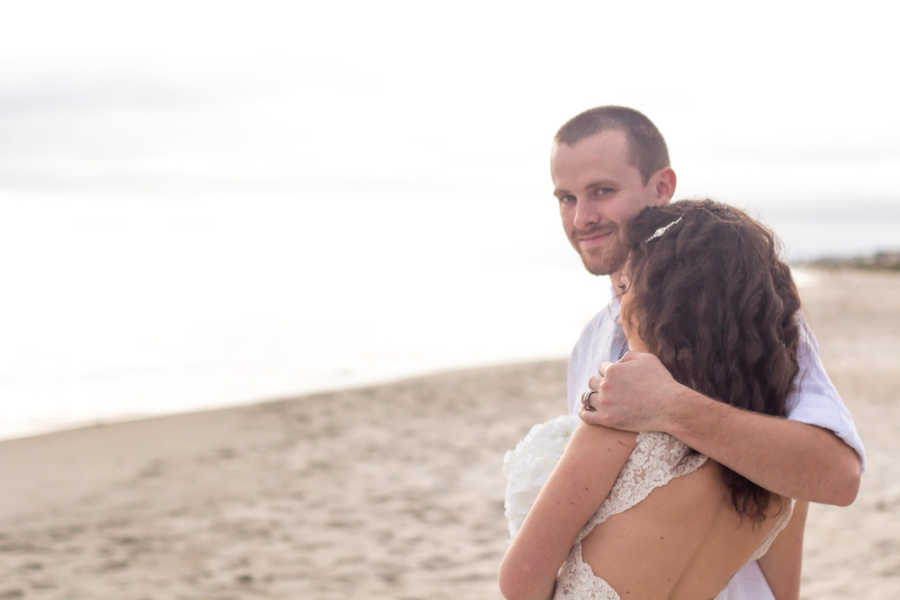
(391, 491)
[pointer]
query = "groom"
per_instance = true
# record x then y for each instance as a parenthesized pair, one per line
(607, 164)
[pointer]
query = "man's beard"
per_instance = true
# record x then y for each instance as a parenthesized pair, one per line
(611, 261)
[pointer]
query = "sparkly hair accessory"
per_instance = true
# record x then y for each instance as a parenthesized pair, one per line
(659, 232)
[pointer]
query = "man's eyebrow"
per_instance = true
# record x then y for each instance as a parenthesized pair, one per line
(599, 183)
(589, 186)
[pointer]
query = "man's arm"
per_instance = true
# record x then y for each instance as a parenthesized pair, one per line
(787, 457)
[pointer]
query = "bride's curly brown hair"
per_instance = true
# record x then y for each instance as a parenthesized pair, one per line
(713, 301)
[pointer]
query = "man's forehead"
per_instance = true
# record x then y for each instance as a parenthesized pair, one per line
(602, 154)
(606, 140)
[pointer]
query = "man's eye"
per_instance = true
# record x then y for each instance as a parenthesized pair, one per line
(567, 199)
(602, 190)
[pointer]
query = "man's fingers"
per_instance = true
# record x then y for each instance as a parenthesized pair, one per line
(603, 367)
(630, 355)
(595, 382)
(591, 417)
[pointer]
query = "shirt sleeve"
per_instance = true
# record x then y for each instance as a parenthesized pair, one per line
(814, 399)
(577, 361)
(591, 349)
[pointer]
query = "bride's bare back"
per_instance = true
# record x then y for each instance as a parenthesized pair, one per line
(684, 541)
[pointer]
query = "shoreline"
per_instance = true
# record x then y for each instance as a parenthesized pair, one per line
(882, 260)
(806, 274)
(357, 383)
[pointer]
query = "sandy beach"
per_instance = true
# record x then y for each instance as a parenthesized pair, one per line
(392, 491)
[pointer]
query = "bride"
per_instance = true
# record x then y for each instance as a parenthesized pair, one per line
(642, 515)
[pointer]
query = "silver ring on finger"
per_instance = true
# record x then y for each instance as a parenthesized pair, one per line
(586, 401)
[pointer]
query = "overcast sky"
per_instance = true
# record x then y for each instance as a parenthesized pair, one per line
(786, 109)
(403, 90)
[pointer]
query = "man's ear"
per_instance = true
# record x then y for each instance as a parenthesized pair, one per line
(664, 185)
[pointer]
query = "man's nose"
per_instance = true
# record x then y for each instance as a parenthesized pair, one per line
(587, 214)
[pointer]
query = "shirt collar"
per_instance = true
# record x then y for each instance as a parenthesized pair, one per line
(614, 304)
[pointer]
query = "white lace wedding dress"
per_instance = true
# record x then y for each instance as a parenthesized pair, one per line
(656, 459)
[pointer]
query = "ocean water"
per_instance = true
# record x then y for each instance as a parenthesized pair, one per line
(126, 305)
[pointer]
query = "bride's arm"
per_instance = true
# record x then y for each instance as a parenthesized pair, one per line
(578, 485)
(781, 564)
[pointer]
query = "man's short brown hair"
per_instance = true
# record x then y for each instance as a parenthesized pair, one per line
(646, 147)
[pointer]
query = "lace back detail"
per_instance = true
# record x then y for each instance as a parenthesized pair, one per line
(657, 459)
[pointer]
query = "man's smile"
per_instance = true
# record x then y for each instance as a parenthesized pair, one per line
(594, 238)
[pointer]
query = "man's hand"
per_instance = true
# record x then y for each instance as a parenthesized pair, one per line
(632, 394)
(639, 394)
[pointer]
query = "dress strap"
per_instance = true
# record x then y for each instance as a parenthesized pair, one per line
(780, 524)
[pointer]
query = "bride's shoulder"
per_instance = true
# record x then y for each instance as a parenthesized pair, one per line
(597, 444)
(594, 434)
(569, 435)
